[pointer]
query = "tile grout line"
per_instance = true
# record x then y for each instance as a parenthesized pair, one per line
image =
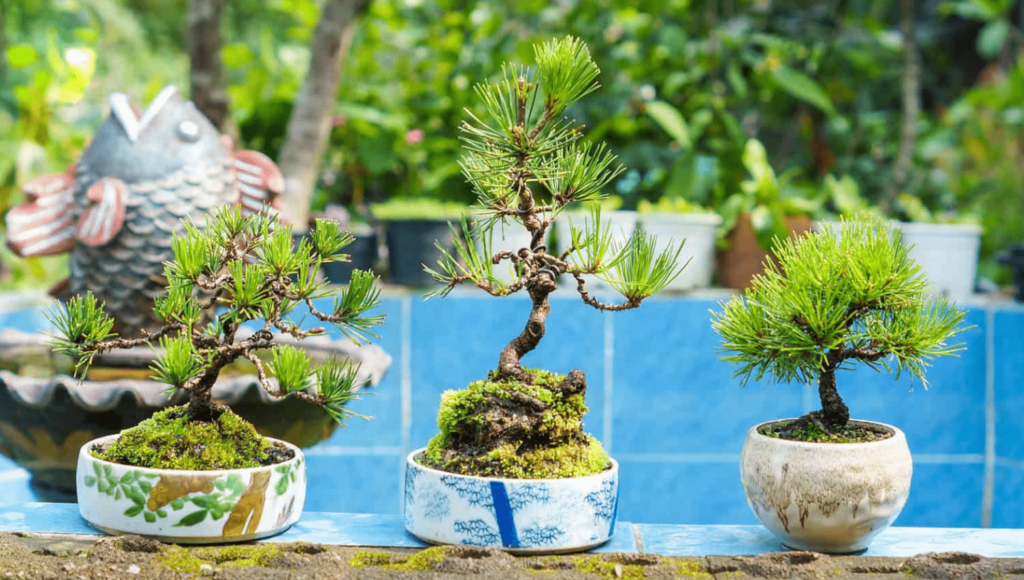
(988, 489)
(609, 382)
(406, 394)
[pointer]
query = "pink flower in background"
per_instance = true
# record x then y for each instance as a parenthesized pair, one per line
(339, 120)
(414, 136)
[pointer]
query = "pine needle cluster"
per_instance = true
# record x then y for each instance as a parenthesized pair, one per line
(249, 269)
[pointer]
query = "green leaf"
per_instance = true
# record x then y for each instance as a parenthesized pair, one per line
(145, 486)
(149, 516)
(126, 478)
(763, 222)
(136, 497)
(117, 495)
(102, 487)
(282, 485)
(22, 55)
(220, 484)
(161, 513)
(235, 55)
(203, 501)
(992, 38)
(133, 511)
(177, 504)
(90, 481)
(97, 469)
(671, 120)
(803, 87)
(217, 513)
(192, 519)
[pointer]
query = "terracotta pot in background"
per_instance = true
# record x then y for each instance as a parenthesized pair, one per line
(738, 265)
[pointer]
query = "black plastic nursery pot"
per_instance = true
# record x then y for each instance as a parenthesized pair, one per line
(362, 254)
(411, 245)
(1014, 258)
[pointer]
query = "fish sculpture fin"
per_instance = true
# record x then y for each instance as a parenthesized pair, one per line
(259, 182)
(104, 215)
(44, 224)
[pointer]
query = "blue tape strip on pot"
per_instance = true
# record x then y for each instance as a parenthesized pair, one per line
(503, 513)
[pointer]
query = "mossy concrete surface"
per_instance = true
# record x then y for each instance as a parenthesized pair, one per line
(59, 557)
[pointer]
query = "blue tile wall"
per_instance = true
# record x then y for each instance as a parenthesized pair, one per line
(1008, 383)
(673, 395)
(675, 418)
(362, 484)
(1008, 496)
(946, 495)
(695, 492)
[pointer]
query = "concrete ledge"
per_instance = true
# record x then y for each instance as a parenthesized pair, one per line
(661, 539)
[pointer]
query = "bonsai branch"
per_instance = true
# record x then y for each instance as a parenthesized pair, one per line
(580, 287)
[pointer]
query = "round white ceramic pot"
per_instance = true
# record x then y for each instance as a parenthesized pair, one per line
(947, 254)
(190, 507)
(622, 225)
(527, 516)
(826, 497)
(698, 231)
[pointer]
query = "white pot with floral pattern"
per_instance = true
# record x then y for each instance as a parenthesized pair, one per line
(826, 497)
(522, 516)
(190, 507)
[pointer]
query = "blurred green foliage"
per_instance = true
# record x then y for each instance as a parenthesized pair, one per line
(688, 84)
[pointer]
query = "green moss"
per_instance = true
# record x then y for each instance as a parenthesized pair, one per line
(606, 569)
(361, 558)
(179, 559)
(691, 569)
(424, 560)
(576, 454)
(169, 440)
(811, 433)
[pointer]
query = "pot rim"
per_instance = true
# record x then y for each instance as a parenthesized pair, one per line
(688, 217)
(84, 452)
(411, 460)
(940, 229)
(754, 433)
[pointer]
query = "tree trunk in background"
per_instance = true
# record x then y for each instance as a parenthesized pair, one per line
(206, 73)
(310, 123)
(911, 104)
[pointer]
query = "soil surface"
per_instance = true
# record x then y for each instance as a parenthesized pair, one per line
(852, 432)
(59, 557)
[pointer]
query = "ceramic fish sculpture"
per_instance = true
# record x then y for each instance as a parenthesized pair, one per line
(118, 207)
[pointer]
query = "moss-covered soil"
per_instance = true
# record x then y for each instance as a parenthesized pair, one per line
(811, 433)
(131, 557)
(510, 429)
(169, 440)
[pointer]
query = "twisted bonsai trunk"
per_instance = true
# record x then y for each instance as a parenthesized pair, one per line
(509, 366)
(834, 412)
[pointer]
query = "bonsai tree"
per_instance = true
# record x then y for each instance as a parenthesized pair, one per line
(836, 298)
(527, 163)
(249, 268)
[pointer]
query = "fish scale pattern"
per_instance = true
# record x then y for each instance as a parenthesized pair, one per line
(126, 273)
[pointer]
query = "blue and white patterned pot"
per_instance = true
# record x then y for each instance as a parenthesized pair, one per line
(519, 515)
(191, 507)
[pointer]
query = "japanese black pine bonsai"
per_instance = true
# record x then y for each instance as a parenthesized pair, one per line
(249, 268)
(527, 163)
(836, 298)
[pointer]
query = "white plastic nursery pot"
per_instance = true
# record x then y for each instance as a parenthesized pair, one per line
(190, 507)
(622, 223)
(699, 232)
(826, 497)
(947, 254)
(521, 516)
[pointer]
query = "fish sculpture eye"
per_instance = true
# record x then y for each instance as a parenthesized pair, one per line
(188, 131)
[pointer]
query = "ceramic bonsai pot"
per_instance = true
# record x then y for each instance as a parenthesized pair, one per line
(410, 245)
(190, 507)
(698, 229)
(521, 516)
(947, 253)
(745, 257)
(826, 497)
